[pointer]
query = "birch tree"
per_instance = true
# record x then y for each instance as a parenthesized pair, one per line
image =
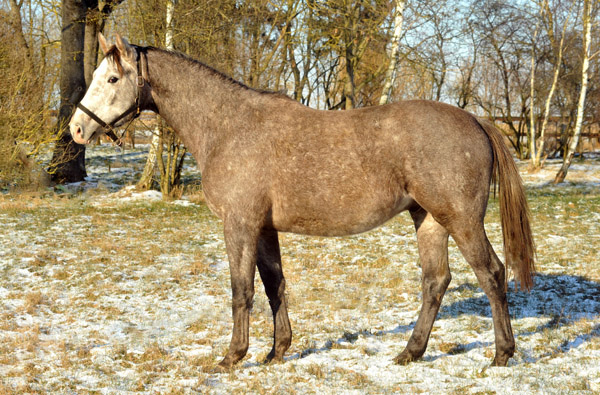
(147, 177)
(546, 13)
(586, 56)
(532, 117)
(390, 72)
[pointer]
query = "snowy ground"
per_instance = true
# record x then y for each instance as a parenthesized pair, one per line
(105, 290)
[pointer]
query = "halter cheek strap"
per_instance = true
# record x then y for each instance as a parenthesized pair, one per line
(135, 107)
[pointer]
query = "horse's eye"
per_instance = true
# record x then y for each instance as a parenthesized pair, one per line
(112, 80)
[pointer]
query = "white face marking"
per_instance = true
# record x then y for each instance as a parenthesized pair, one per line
(108, 96)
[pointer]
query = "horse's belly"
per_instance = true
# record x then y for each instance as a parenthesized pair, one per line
(337, 219)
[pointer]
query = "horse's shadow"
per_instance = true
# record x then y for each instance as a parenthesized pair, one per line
(561, 299)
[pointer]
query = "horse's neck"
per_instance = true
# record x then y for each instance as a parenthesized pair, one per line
(195, 102)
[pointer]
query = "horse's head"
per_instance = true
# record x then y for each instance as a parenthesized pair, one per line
(113, 97)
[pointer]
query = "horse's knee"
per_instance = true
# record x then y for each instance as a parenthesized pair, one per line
(243, 301)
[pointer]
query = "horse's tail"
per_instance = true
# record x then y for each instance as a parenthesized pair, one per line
(519, 248)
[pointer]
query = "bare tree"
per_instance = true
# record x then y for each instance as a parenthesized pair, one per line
(464, 86)
(68, 160)
(147, 177)
(24, 107)
(586, 56)
(95, 19)
(537, 151)
(532, 117)
(439, 48)
(15, 21)
(354, 35)
(394, 52)
(503, 30)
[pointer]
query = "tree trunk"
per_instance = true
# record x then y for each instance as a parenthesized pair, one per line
(349, 87)
(94, 24)
(17, 24)
(147, 177)
(572, 146)
(532, 118)
(390, 73)
(15, 21)
(536, 160)
(68, 159)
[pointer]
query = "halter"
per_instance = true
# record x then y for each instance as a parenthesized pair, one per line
(134, 108)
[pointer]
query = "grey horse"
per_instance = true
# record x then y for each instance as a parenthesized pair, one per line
(270, 164)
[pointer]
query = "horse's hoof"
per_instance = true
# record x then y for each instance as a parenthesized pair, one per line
(272, 360)
(500, 361)
(223, 367)
(403, 358)
(275, 356)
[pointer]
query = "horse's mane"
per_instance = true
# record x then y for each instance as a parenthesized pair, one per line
(206, 68)
(115, 55)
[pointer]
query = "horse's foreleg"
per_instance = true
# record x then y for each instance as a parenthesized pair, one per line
(241, 241)
(477, 250)
(433, 252)
(269, 267)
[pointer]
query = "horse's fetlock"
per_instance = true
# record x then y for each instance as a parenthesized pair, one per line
(234, 356)
(506, 349)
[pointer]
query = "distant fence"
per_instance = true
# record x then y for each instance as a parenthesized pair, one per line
(556, 135)
(588, 142)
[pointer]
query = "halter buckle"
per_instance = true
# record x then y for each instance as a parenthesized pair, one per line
(140, 81)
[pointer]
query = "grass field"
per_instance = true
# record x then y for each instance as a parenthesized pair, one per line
(104, 290)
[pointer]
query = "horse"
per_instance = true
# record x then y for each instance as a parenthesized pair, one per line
(270, 164)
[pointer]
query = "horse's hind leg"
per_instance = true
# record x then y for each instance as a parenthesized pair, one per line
(477, 250)
(269, 267)
(433, 252)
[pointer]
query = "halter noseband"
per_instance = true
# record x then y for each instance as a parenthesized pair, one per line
(135, 107)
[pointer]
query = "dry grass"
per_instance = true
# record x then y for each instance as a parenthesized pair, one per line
(99, 296)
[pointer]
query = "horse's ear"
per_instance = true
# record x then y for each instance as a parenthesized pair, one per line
(103, 43)
(126, 50)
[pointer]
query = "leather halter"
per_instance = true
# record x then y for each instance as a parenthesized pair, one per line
(134, 108)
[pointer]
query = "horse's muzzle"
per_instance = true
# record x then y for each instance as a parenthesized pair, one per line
(78, 134)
